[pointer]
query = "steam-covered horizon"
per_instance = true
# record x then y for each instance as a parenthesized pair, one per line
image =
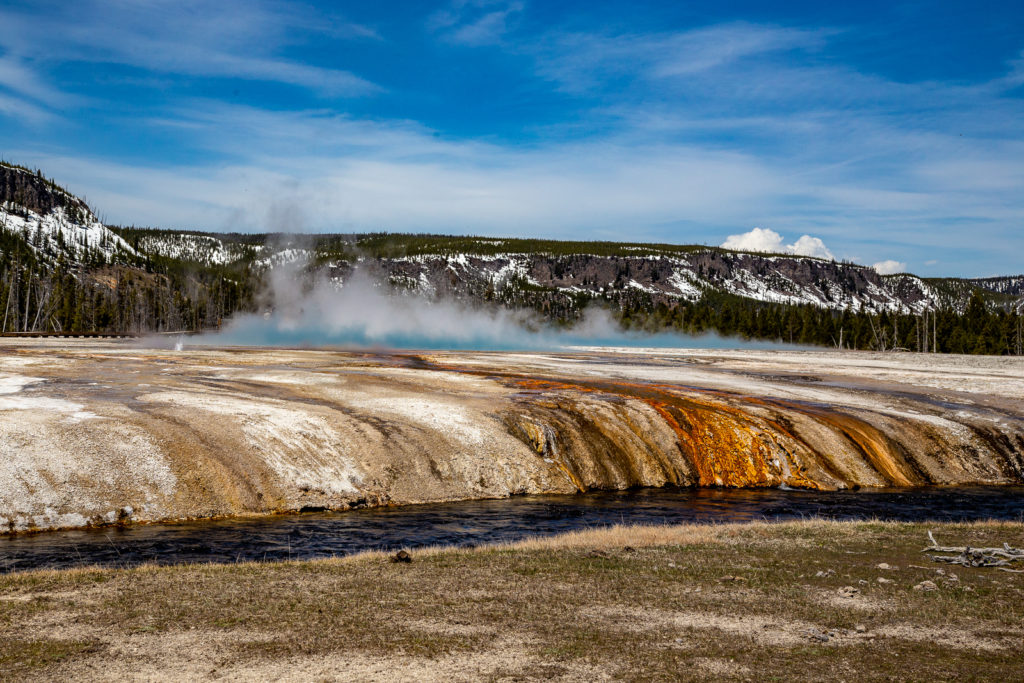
(361, 312)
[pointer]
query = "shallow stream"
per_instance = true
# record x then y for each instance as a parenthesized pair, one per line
(324, 534)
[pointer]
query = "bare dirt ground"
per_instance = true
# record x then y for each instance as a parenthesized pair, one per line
(95, 432)
(793, 601)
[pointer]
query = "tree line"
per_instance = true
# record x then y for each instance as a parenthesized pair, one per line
(978, 330)
(113, 297)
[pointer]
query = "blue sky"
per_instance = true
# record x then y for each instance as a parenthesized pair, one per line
(883, 131)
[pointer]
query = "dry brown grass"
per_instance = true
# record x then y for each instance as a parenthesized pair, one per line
(633, 603)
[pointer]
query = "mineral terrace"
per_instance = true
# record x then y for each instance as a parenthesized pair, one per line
(106, 432)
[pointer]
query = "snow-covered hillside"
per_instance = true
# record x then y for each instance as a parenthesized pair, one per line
(774, 279)
(684, 276)
(1011, 284)
(53, 222)
(56, 233)
(208, 250)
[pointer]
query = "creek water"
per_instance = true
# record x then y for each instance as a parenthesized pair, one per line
(326, 534)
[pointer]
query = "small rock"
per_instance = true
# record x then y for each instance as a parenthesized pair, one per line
(815, 634)
(862, 582)
(824, 574)
(940, 572)
(882, 579)
(848, 591)
(885, 565)
(726, 579)
(926, 586)
(860, 628)
(672, 565)
(401, 556)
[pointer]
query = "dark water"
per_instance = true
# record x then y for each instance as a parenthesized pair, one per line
(314, 535)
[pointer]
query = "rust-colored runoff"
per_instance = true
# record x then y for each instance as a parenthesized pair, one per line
(728, 446)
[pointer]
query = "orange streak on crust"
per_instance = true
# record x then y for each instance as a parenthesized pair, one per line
(878, 449)
(721, 442)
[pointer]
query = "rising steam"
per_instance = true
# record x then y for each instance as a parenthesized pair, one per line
(362, 312)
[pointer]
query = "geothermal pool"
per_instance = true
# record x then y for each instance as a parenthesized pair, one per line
(325, 534)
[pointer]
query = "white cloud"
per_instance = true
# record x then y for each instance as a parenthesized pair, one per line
(383, 184)
(890, 267)
(765, 240)
(358, 174)
(758, 239)
(811, 246)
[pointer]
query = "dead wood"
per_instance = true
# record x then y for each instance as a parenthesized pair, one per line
(1001, 558)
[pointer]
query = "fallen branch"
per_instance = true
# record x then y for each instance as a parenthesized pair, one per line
(1005, 551)
(1000, 558)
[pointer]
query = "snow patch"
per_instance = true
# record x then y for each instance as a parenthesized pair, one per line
(681, 281)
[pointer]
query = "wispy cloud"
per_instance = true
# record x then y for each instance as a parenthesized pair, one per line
(475, 22)
(584, 61)
(358, 174)
(18, 77)
(19, 108)
(354, 173)
(226, 39)
(688, 134)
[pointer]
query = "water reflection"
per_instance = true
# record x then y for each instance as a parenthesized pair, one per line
(314, 535)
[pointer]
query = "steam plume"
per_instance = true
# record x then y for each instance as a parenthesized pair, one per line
(361, 312)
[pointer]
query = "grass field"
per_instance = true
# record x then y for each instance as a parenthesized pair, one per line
(793, 601)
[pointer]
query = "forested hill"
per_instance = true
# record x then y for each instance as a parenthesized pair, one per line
(61, 269)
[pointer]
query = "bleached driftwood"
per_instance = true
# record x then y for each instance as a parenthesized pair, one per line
(1001, 558)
